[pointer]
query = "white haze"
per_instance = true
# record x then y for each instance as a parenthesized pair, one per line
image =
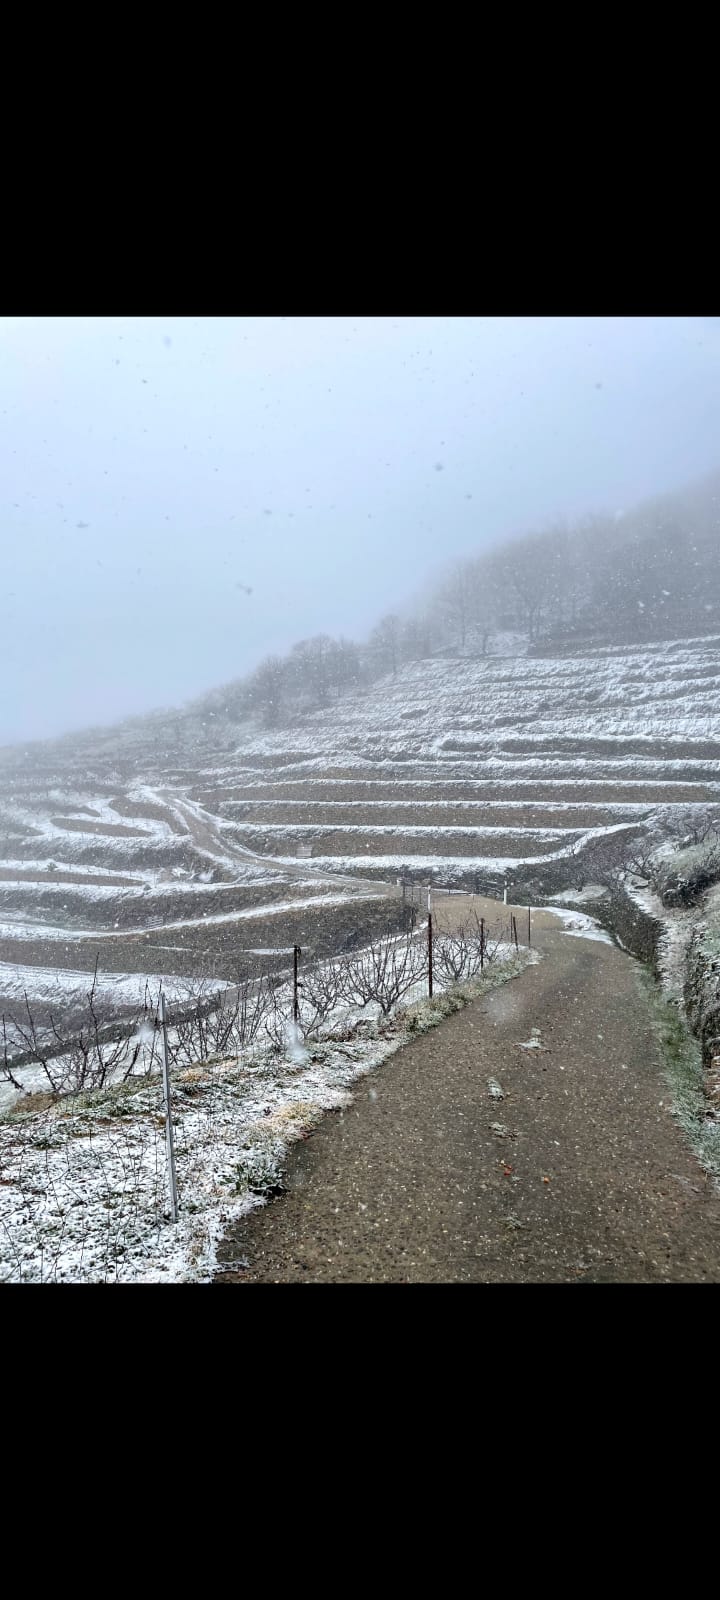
(154, 470)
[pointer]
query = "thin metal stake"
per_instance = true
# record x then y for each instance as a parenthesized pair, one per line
(172, 1180)
(296, 1008)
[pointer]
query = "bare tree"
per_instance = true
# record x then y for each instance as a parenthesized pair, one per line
(688, 824)
(464, 951)
(212, 1023)
(267, 689)
(102, 1044)
(321, 990)
(383, 973)
(384, 644)
(641, 863)
(7, 1058)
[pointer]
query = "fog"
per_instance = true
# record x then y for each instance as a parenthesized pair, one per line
(181, 496)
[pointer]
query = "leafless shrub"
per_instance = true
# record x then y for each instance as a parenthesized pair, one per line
(255, 999)
(604, 858)
(686, 876)
(93, 1056)
(575, 864)
(688, 824)
(102, 1044)
(462, 952)
(383, 973)
(612, 858)
(641, 863)
(6, 1064)
(455, 956)
(276, 1018)
(33, 1042)
(321, 989)
(210, 1022)
(190, 1027)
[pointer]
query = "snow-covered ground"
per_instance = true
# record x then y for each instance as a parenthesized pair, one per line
(677, 925)
(579, 925)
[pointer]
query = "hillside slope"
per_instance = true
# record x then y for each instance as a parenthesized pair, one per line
(176, 845)
(456, 768)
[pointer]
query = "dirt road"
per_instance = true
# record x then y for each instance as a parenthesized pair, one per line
(578, 1173)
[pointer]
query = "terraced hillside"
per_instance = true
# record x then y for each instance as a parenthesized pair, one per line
(181, 845)
(461, 769)
(148, 883)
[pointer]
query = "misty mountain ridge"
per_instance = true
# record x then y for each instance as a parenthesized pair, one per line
(625, 579)
(622, 579)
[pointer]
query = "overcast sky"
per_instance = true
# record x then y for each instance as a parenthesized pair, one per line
(153, 470)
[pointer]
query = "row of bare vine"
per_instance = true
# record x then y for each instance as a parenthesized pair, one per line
(106, 1045)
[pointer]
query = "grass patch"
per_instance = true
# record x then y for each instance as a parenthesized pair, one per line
(427, 1014)
(682, 1060)
(709, 929)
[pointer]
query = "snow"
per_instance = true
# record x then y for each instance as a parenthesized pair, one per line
(677, 925)
(591, 891)
(406, 830)
(578, 925)
(388, 865)
(45, 983)
(630, 809)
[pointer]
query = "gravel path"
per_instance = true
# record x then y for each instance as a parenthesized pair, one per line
(579, 1173)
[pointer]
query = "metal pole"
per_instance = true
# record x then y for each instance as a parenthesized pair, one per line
(514, 932)
(430, 949)
(172, 1180)
(482, 943)
(296, 1008)
(529, 939)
